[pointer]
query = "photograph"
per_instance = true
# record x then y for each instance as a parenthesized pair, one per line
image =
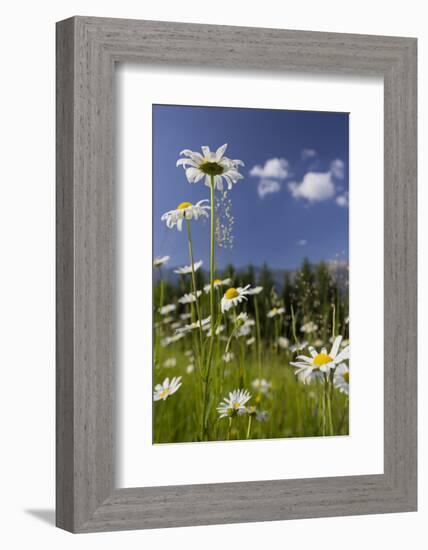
(250, 274)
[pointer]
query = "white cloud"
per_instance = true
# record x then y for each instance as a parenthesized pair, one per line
(267, 186)
(315, 187)
(337, 168)
(276, 168)
(342, 200)
(302, 242)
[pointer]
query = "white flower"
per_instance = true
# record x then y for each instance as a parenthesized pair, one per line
(228, 357)
(255, 290)
(250, 341)
(233, 296)
(171, 339)
(260, 416)
(176, 325)
(194, 326)
(311, 367)
(190, 368)
(341, 378)
(210, 164)
(188, 268)
(189, 353)
(309, 327)
(276, 311)
(167, 320)
(261, 385)
(234, 404)
(298, 347)
(218, 330)
(185, 211)
(189, 298)
(164, 310)
(159, 261)
(283, 342)
(185, 316)
(170, 362)
(217, 284)
(167, 388)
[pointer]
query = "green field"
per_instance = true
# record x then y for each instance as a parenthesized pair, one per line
(308, 308)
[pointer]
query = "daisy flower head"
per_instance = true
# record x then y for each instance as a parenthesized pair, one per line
(274, 312)
(228, 356)
(250, 341)
(254, 291)
(209, 165)
(261, 385)
(189, 298)
(283, 342)
(233, 296)
(170, 362)
(218, 283)
(169, 308)
(341, 378)
(160, 260)
(185, 211)
(234, 404)
(309, 327)
(188, 268)
(260, 416)
(309, 368)
(166, 389)
(194, 326)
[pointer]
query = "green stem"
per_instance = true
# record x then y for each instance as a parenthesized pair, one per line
(250, 419)
(259, 351)
(192, 263)
(212, 276)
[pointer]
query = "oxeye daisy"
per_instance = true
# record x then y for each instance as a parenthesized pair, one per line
(193, 326)
(261, 385)
(311, 367)
(188, 268)
(260, 416)
(189, 298)
(171, 339)
(209, 165)
(217, 284)
(274, 312)
(159, 261)
(234, 404)
(167, 309)
(170, 362)
(233, 296)
(185, 211)
(283, 342)
(254, 291)
(166, 389)
(228, 356)
(309, 327)
(341, 378)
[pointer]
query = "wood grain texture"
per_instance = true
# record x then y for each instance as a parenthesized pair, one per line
(87, 50)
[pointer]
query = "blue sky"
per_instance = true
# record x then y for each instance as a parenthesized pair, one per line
(293, 200)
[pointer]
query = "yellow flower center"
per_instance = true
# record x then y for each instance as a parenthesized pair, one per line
(211, 168)
(237, 405)
(346, 377)
(164, 393)
(231, 293)
(184, 205)
(321, 359)
(217, 282)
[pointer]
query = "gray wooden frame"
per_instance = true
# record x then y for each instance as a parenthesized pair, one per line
(87, 50)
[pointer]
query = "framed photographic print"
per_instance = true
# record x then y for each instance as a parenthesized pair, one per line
(236, 233)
